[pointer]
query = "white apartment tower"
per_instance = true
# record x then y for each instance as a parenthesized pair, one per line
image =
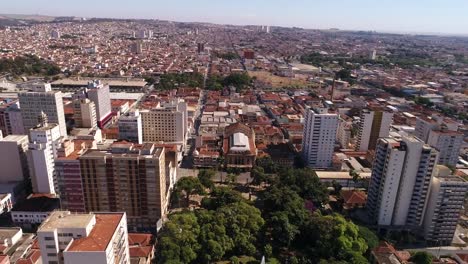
(84, 113)
(448, 143)
(45, 141)
(130, 127)
(344, 133)
(399, 186)
(319, 137)
(41, 99)
(443, 208)
(13, 159)
(98, 238)
(167, 123)
(374, 124)
(99, 94)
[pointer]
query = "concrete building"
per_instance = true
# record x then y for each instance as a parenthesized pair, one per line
(374, 124)
(399, 185)
(98, 238)
(13, 159)
(344, 133)
(84, 113)
(319, 137)
(129, 178)
(444, 205)
(448, 143)
(130, 127)
(167, 123)
(68, 174)
(45, 141)
(41, 99)
(31, 212)
(99, 94)
(11, 121)
(239, 146)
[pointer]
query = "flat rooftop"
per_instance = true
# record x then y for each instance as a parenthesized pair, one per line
(14, 138)
(100, 236)
(64, 219)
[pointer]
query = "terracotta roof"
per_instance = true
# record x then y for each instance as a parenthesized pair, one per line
(353, 197)
(33, 257)
(139, 239)
(140, 251)
(463, 257)
(100, 236)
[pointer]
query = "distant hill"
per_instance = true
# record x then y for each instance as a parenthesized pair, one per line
(38, 18)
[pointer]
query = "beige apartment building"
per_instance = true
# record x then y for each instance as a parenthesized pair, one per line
(129, 178)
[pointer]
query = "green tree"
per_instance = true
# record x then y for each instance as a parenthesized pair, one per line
(190, 186)
(178, 240)
(332, 236)
(422, 257)
(221, 196)
(206, 178)
(369, 236)
(283, 231)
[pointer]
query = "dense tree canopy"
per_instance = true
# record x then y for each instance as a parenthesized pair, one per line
(28, 65)
(174, 80)
(205, 236)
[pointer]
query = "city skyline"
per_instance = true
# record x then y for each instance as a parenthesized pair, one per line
(389, 16)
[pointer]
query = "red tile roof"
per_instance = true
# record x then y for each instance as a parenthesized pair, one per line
(100, 236)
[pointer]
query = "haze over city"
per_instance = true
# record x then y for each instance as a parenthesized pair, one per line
(233, 132)
(418, 16)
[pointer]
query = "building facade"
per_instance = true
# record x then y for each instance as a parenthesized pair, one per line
(45, 141)
(399, 186)
(84, 113)
(129, 178)
(448, 143)
(40, 100)
(98, 238)
(443, 209)
(319, 137)
(99, 94)
(167, 123)
(374, 124)
(239, 146)
(130, 127)
(13, 159)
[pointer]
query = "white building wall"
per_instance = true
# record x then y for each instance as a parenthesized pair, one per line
(391, 180)
(12, 167)
(319, 138)
(51, 103)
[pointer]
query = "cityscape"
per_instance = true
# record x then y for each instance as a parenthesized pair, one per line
(139, 141)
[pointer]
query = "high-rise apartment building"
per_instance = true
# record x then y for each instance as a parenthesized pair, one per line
(68, 175)
(129, 178)
(41, 99)
(167, 123)
(444, 205)
(319, 137)
(374, 124)
(448, 143)
(99, 94)
(84, 113)
(13, 159)
(45, 141)
(424, 126)
(11, 121)
(130, 127)
(344, 133)
(98, 238)
(399, 186)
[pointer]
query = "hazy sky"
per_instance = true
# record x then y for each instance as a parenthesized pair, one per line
(426, 16)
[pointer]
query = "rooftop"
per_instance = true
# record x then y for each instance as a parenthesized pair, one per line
(100, 236)
(64, 219)
(37, 204)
